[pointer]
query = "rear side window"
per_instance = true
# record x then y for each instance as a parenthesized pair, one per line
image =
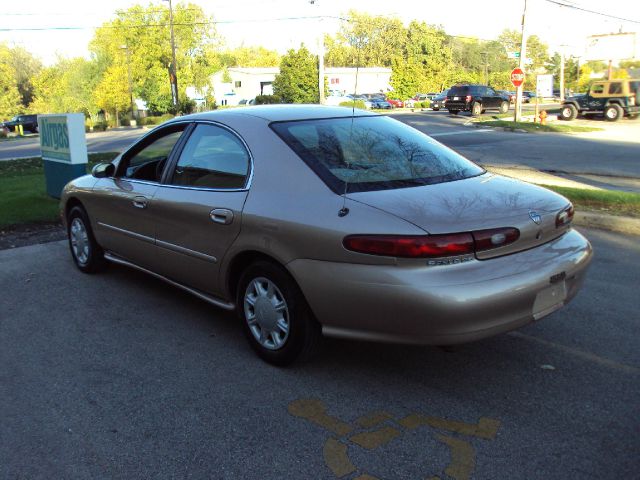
(615, 88)
(597, 89)
(212, 158)
(372, 153)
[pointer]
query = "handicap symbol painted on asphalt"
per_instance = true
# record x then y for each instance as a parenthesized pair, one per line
(379, 428)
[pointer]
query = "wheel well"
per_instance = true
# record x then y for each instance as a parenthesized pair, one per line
(240, 263)
(71, 202)
(614, 102)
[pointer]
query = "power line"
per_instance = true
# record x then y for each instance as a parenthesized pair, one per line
(575, 7)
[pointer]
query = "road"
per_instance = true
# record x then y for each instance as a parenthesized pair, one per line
(111, 141)
(615, 153)
(612, 153)
(121, 376)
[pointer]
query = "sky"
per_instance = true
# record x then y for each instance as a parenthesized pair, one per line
(261, 22)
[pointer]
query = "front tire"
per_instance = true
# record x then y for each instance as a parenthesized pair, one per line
(276, 318)
(435, 109)
(454, 112)
(85, 251)
(568, 112)
(613, 113)
(504, 107)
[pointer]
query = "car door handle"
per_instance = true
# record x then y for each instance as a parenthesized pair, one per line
(139, 202)
(222, 216)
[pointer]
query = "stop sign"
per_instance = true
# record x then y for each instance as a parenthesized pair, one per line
(517, 77)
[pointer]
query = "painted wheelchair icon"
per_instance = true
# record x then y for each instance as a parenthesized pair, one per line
(379, 428)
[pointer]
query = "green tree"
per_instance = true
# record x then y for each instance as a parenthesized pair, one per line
(111, 93)
(67, 86)
(144, 31)
(251, 57)
(10, 100)
(297, 81)
(366, 41)
(26, 67)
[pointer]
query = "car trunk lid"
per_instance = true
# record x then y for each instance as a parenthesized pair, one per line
(484, 202)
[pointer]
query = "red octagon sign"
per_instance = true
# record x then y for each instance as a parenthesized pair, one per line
(517, 77)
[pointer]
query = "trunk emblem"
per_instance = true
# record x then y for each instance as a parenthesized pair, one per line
(535, 217)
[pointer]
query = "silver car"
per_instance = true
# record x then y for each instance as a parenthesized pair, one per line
(311, 220)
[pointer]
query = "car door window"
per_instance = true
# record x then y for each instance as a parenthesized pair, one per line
(597, 89)
(148, 162)
(212, 158)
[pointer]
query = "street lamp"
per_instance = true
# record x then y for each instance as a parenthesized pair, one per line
(126, 49)
(173, 71)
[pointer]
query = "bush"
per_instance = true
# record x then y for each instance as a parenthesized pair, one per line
(100, 126)
(425, 104)
(268, 99)
(354, 103)
(156, 120)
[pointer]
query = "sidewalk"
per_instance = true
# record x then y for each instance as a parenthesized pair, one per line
(628, 225)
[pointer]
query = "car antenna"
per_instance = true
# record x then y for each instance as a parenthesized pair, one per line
(344, 210)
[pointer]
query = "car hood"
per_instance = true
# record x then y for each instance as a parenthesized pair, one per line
(484, 202)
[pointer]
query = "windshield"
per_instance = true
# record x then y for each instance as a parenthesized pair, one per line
(372, 153)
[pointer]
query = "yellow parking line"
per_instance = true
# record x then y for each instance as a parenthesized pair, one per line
(315, 411)
(336, 458)
(375, 439)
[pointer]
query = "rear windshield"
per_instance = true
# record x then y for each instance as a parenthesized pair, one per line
(462, 90)
(372, 153)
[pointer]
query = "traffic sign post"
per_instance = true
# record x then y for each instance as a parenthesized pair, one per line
(517, 79)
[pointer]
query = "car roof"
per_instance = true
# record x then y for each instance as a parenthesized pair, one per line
(278, 113)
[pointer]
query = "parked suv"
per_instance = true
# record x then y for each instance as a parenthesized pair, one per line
(28, 122)
(475, 99)
(612, 98)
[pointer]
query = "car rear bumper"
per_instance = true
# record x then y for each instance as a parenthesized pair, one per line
(443, 305)
(460, 106)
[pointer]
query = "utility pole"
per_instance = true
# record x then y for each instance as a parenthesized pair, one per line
(126, 49)
(561, 73)
(320, 57)
(173, 71)
(517, 114)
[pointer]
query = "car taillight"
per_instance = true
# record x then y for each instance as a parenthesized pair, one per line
(411, 246)
(431, 246)
(469, 98)
(565, 216)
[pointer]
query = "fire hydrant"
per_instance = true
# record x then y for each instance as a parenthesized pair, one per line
(543, 117)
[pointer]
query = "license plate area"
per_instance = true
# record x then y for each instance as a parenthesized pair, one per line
(456, 98)
(549, 299)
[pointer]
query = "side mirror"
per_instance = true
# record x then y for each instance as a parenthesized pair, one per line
(103, 170)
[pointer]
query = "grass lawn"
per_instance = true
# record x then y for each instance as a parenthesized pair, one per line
(607, 201)
(23, 196)
(536, 127)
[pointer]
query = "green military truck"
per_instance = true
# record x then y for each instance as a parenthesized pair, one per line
(612, 98)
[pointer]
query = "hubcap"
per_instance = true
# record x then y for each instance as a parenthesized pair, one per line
(79, 241)
(612, 113)
(266, 312)
(567, 112)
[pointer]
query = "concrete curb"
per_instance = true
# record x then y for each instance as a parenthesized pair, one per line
(627, 225)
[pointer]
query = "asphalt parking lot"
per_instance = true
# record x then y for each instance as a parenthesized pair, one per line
(121, 376)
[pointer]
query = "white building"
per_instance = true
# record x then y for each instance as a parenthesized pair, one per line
(247, 83)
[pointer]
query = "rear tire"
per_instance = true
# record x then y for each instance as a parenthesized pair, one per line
(435, 109)
(85, 251)
(568, 112)
(613, 113)
(476, 109)
(276, 318)
(454, 112)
